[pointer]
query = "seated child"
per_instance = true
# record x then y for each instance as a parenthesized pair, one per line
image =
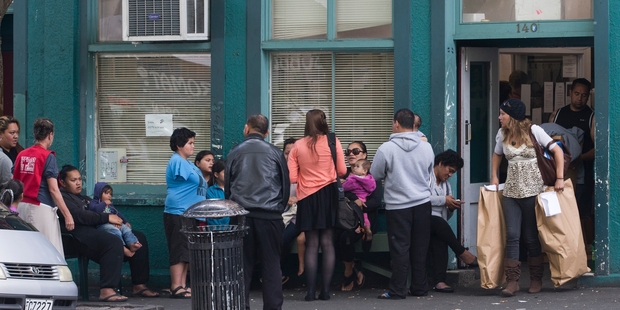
(12, 194)
(216, 191)
(362, 185)
(102, 203)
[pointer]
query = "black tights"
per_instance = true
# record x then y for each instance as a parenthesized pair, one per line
(325, 238)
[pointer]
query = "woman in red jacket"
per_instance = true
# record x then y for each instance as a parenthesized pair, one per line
(36, 167)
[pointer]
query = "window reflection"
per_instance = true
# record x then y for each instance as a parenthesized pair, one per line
(110, 20)
(516, 10)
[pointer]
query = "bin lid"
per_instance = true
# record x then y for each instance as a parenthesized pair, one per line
(214, 208)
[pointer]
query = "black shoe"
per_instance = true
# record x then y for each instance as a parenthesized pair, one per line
(446, 289)
(418, 293)
(324, 296)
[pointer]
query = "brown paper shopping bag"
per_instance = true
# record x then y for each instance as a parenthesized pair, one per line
(561, 237)
(491, 240)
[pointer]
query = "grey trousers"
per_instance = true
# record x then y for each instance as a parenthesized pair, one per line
(520, 217)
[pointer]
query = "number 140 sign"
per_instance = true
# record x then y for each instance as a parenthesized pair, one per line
(523, 27)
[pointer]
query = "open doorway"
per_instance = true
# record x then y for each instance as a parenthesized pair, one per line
(541, 78)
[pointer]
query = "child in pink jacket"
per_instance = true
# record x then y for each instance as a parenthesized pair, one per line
(362, 185)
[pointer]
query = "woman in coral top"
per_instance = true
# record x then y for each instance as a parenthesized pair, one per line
(311, 167)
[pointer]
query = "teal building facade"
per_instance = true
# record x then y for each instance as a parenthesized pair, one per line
(76, 63)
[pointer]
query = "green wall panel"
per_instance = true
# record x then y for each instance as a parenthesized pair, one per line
(235, 47)
(52, 83)
(614, 144)
(421, 61)
(150, 221)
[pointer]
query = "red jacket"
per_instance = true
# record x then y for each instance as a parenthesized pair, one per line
(29, 166)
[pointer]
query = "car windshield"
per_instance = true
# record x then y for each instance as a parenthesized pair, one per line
(10, 221)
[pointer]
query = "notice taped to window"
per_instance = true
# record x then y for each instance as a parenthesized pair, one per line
(158, 125)
(110, 168)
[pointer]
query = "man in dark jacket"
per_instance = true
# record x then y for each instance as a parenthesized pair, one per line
(97, 244)
(257, 179)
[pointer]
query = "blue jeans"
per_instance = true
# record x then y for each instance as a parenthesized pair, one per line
(520, 216)
(124, 233)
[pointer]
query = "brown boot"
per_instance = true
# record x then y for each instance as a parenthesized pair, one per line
(512, 269)
(536, 273)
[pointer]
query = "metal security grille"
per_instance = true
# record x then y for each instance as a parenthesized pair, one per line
(154, 17)
(31, 272)
(132, 85)
(360, 84)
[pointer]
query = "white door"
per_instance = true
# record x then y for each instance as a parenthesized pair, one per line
(479, 125)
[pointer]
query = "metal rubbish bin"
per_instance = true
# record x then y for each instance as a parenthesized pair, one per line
(216, 255)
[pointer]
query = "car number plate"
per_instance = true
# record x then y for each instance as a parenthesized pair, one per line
(39, 304)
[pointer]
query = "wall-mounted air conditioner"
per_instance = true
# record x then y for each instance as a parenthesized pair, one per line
(165, 20)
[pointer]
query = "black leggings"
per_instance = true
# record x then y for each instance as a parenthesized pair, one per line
(442, 236)
(324, 238)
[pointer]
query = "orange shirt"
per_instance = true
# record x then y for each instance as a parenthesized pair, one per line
(313, 170)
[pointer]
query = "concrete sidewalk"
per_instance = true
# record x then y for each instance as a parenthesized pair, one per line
(471, 297)
(467, 298)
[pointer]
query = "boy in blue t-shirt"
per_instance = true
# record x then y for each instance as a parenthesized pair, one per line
(216, 191)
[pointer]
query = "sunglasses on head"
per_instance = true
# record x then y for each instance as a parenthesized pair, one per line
(355, 151)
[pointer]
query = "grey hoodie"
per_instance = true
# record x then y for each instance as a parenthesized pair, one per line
(406, 164)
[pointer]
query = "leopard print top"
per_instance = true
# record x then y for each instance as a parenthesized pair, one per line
(523, 178)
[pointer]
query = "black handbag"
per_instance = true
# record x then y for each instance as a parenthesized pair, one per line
(348, 216)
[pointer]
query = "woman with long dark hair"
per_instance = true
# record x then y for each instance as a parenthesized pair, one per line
(353, 276)
(311, 167)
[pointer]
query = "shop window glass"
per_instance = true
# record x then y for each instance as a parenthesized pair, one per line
(517, 10)
(131, 86)
(364, 18)
(363, 89)
(110, 20)
(299, 19)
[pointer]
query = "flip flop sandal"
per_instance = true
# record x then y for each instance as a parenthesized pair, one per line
(356, 272)
(387, 295)
(141, 293)
(179, 295)
(348, 280)
(120, 299)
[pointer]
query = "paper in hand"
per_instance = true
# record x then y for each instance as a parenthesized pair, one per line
(551, 204)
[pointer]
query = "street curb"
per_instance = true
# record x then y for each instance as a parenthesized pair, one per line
(119, 306)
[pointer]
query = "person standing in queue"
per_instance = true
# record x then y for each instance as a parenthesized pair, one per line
(312, 167)
(406, 164)
(185, 187)
(36, 167)
(256, 177)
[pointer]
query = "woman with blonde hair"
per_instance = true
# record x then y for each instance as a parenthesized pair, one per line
(311, 167)
(523, 184)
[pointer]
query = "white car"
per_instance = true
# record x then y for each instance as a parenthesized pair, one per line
(33, 275)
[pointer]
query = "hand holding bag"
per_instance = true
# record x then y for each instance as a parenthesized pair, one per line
(561, 237)
(348, 216)
(546, 161)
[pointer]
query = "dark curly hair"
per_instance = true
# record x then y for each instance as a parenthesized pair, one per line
(179, 138)
(449, 158)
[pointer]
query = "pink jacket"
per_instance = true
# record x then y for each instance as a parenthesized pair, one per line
(361, 187)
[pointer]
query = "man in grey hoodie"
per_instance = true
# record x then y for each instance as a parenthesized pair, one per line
(406, 164)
